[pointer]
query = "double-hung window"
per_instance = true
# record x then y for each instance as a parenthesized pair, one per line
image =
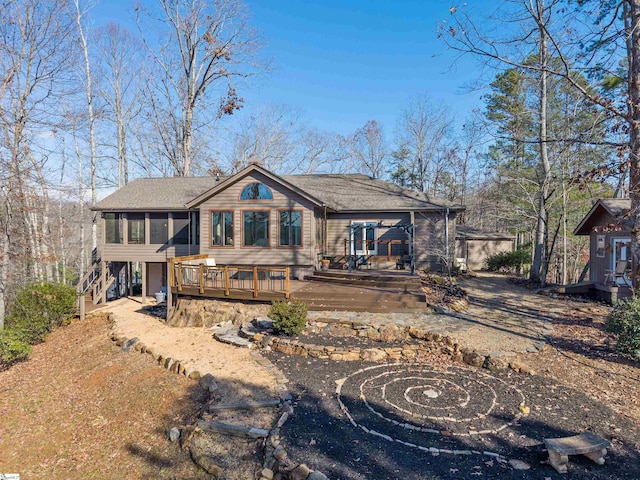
(222, 228)
(255, 228)
(290, 228)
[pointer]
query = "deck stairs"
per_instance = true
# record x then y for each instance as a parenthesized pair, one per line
(96, 282)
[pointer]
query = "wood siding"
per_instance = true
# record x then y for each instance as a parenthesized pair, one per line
(598, 265)
(283, 199)
(338, 229)
(125, 252)
(477, 251)
(429, 239)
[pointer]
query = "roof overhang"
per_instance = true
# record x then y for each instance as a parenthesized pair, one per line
(598, 208)
(242, 174)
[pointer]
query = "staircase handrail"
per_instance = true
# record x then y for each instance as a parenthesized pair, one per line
(87, 280)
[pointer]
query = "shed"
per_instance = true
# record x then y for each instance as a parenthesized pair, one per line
(476, 246)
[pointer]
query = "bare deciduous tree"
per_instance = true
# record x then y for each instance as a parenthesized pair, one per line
(368, 149)
(202, 48)
(421, 130)
(121, 68)
(34, 61)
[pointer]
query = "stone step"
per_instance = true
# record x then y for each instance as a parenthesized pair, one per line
(230, 335)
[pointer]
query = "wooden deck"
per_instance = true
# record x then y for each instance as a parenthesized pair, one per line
(333, 290)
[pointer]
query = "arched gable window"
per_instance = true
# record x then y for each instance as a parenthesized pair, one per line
(256, 191)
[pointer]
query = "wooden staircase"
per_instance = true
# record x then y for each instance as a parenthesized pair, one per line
(93, 286)
(362, 292)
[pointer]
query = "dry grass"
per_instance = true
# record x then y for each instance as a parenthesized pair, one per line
(81, 408)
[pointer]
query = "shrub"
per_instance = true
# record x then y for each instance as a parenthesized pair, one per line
(39, 307)
(13, 347)
(289, 318)
(512, 261)
(624, 321)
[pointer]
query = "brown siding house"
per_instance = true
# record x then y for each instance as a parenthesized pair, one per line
(608, 228)
(258, 218)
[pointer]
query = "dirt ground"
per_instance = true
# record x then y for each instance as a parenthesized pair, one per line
(81, 408)
(581, 354)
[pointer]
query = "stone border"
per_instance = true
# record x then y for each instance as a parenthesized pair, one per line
(276, 463)
(428, 343)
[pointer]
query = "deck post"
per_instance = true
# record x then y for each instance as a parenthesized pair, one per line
(179, 277)
(287, 282)
(144, 282)
(82, 300)
(226, 281)
(104, 282)
(255, 282)
(201, 278)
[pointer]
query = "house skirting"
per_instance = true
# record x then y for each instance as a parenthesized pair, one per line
(610, 293)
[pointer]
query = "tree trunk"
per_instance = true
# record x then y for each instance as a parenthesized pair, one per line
(632, 20)
(538, 271)
(92, 122)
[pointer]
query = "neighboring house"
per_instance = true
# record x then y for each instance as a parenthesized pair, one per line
(476, 246)
(258, 218)
(607, 225)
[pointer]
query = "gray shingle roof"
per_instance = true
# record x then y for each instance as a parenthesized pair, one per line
(166, 193)
(354, 192)
(345, 192)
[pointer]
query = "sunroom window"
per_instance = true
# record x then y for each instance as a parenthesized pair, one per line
(113, 228)
(158, 228)
(135, 227)
(181, 228)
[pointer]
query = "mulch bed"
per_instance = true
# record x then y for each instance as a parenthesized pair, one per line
(321, 435)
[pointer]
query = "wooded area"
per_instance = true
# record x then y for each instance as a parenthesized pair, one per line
(86, 108)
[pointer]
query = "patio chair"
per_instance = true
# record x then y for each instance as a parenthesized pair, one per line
(618, 273)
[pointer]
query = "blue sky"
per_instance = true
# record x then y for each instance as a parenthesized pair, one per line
(346, 62)
(343, 63)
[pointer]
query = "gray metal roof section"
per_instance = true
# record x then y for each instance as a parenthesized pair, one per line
(340, 192)
(470, 233)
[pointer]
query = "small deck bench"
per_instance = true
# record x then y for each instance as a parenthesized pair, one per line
(587, 444)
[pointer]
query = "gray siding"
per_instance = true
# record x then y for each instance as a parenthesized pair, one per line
(283, 199)
(598, 265)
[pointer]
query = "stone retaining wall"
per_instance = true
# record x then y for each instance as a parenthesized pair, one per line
(190, 312)
(427, 342)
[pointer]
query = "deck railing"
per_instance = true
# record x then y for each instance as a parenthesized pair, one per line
(187, 273)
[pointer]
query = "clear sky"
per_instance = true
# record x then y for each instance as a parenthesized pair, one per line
(344, 62)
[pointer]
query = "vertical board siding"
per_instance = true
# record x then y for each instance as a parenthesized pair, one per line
(283, 199)
(430, 239)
